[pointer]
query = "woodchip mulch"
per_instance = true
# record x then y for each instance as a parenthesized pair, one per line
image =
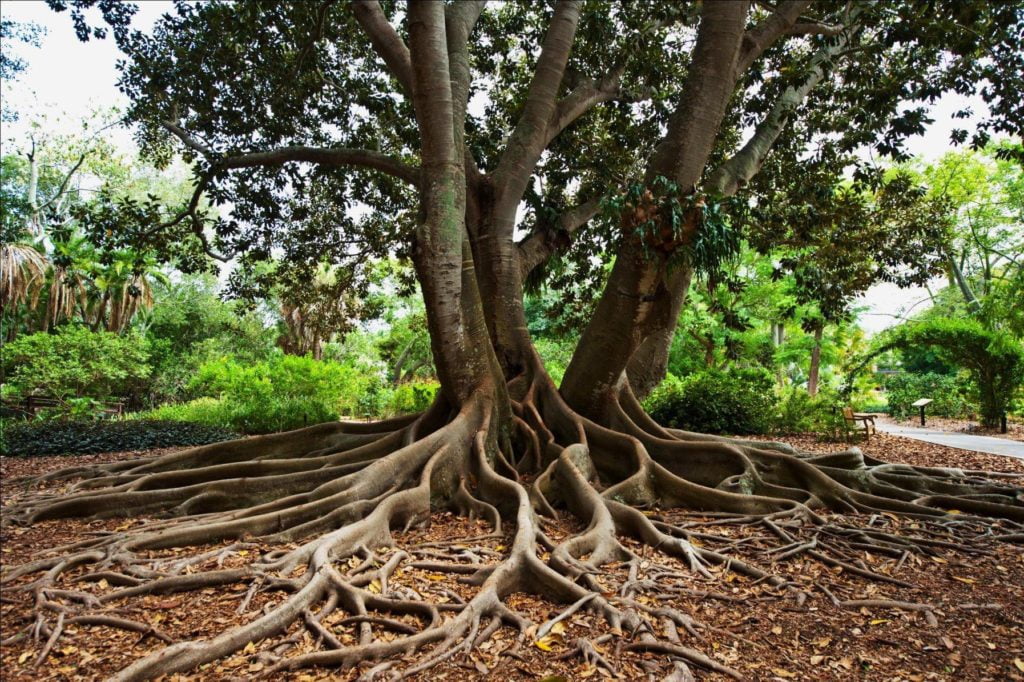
(978, 602)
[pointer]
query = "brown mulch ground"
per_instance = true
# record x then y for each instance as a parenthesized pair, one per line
(978, 599)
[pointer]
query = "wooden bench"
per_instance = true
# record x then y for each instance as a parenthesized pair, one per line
(852, 419)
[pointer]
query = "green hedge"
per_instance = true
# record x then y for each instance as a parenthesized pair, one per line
(949, 395)
(740, 402)
(74, 363)
(73, 438)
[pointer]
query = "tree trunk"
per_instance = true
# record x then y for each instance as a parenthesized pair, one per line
(812, 374)
(643, 296)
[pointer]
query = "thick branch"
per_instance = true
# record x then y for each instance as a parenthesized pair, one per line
(325, 156)
(759, 38)
(529, 138)
(581, 100)
(738, 170)
(537, 247)
(386, 41)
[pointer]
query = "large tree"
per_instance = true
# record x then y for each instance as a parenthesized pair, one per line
(445, 119)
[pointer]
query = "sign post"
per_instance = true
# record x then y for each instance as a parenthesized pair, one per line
(920, 404)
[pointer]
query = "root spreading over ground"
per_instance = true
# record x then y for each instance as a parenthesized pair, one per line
(328, 498)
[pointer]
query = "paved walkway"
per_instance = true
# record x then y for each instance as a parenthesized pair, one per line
(964, 441)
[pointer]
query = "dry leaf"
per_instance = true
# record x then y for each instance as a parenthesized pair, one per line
(1019, 663)
(374, 586)
(879, 621)
(781, 672)
(548, 642)
(817, 659)
(777, 630)
(969, 581)
(250, 648)
(24, 656)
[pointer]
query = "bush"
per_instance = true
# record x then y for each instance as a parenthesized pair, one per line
(284, 392)
(71, 438)
(949, 395)
(207, 411)
(799, 412)
(740, 402)
(414, 396)
(74, 362)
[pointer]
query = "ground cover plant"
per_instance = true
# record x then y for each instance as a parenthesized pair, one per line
(292, 111)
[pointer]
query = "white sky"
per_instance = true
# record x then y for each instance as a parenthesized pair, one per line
(66, 75)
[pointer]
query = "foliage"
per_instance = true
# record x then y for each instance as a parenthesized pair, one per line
(740, 402)
(190, 325)
(949, 394)
(993, 359)
(284, 392)
(414, 396)
(77, 437)
(75, 362)
(799, 412)
(206, 410)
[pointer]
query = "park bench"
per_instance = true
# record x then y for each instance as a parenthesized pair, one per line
(852, 420)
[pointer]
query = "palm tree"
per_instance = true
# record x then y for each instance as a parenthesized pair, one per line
(22, 274)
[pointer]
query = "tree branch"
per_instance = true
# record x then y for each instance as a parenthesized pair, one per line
(528, 139)
(581, 100)
(386, 41)
(729, 177)
(325, 156)
(760, 37)
(538, 246)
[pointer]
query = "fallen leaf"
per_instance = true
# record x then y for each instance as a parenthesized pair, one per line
(548, 642)
(782, 672)
(969, 581)
(24, 656)
(250, 648)
(879, 621)
(1019, 663)
(817, 659)
(374, 586)
(558, 628)
(777, 630)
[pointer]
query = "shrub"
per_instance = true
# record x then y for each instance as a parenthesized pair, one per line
(949, 394)
(712, 401)
(414, 396)
(799, 412)
(70, 438)
(75, 362)
(208, 411)
(286, 392)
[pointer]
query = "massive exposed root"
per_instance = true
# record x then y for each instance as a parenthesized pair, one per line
(329, 497)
